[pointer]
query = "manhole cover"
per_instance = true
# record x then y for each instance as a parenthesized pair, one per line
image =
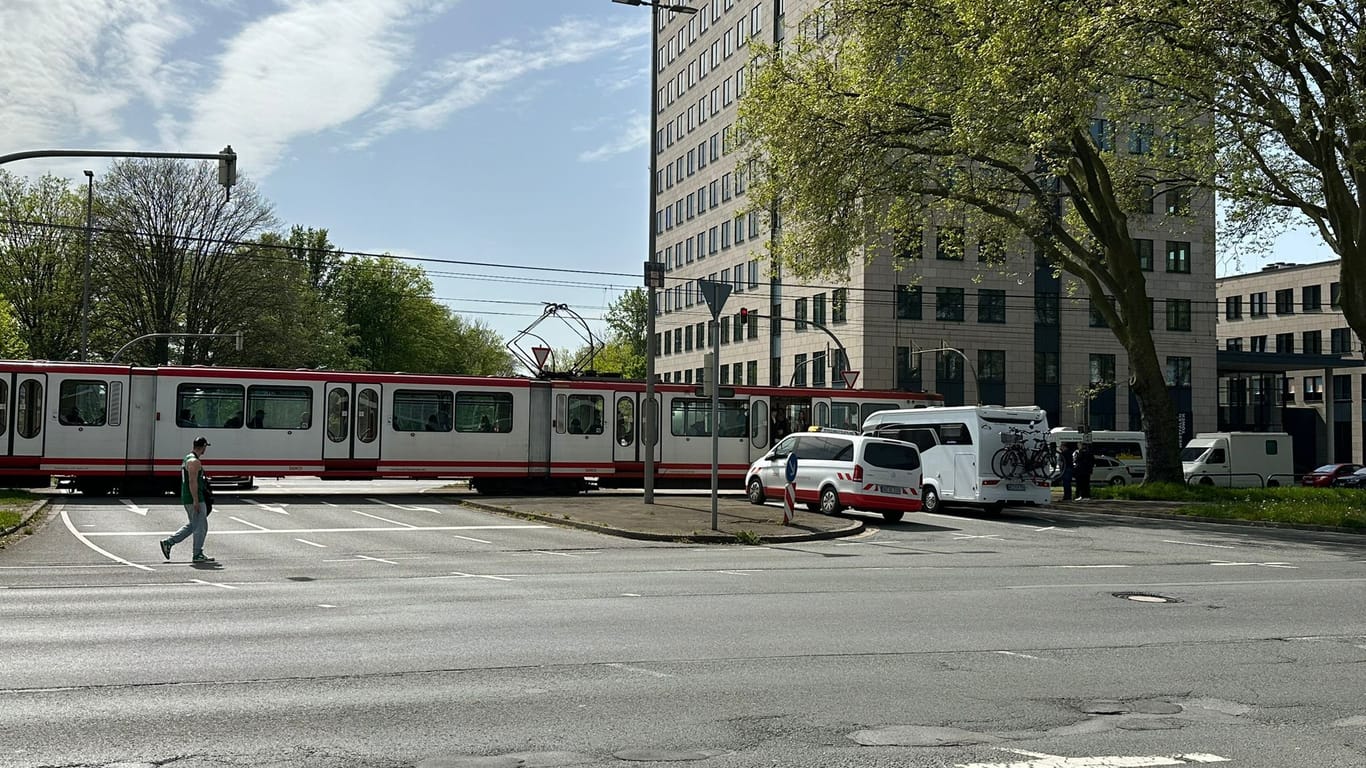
(1146, 597)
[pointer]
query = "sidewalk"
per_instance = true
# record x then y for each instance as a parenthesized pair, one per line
(673, 517)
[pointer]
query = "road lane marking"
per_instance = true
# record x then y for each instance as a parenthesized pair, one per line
(638, 670)
(1045, 760)
(1263, 565)
(82, 537)
(270, 507)
(213, 584)
(1088, 566)
(244, 522)
(376, 559)
(403, 507)
(743, 573)
(1197, 544)
(1021, 655)
(458, 574)
(312, 544)
(979, 536)
(382, 519)
(336, 530)
(1048, 528)
(547, 552)
(135, 509)
(471, 538)
(325, 605)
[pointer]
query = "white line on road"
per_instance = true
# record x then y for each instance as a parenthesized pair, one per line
(325, 605)
(1197, 544)
(270, 507)
(212, 584)
(403, 507)
(135, 509)
(1264, 565)
(1102, 761)
(979, 536)
(383, 519)
(330, 504)
(244, 522)
(1087, 566)
(478, 576)
(1049, 528)
(742, 573)
(88, 543)
(471, 538)
(312, 543)
(639, 670)
(376, 559)
(547, 552)
(338, 530)
(1021, 655)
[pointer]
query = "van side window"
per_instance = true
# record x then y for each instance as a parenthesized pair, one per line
(954, 434)
(785, 446)
(891, 456)
(1272, 447)
(840, 449)
(1216, 456)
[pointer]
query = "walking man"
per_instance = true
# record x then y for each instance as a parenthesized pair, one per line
(1085, 464)
(194, 494)
(1065, 464)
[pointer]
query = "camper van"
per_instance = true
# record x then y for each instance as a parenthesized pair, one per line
(987, 456)
(1239, 459)
(1129, 449)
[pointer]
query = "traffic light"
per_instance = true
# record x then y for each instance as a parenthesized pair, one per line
(744, 316)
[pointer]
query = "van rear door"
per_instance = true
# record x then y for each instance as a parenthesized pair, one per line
(891, 468)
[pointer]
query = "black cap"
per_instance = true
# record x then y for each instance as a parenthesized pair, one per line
(201, 440)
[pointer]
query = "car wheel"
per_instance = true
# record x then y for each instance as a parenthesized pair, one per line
(1273, 484)
(893, 517)
(1207, 481)
(830, 501)
(756, 491)
(1117, 480)
(929, 501)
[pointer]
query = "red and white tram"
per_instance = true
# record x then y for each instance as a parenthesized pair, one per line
(122, 427)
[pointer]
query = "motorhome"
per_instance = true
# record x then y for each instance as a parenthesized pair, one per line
(987, 456)
(1239, 459)
(1130, 449)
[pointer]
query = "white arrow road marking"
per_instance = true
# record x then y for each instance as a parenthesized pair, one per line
(312, 544)
(135, 509)
(269, 507)
(376, 559)
(1103, 761)
(402, 507)
(88, 543)
(212, 584)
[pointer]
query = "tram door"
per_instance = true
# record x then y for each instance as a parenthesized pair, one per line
(351, 417)
(25, 421)
(820, 413)
(626, 432)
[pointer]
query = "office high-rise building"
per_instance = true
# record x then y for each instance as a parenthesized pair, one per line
(1021, 338)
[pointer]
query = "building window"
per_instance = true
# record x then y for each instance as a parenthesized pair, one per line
(908, 301)
(1102, 135)
(948, 244)
(1256, 304)
(799, 316)
(1285, 343)
(817, 369)
(991, 366)
(1311, 298)
(1313, 342)
(1178, 201)
(907, 369)
(949, 304)
(1046, 308)
(1045, 367)
(908, 244)
(1097, 320)
(1285, 301)
(1233, 307)
(1341, 341)
(991, 306)
(1334, 295)
(1178, 256)
(1233, 343)
(818, 309)
(1257, 344)
(799, 371)
(1178, 314)
(1143, 247)
(1140, 139)
(1178, 371)
(839, 305)
(1102, 370)
(948, 368)
(1313, 389)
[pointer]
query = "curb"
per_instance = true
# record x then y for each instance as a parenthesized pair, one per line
(855, 527)
(1218, 520)
(25, 518)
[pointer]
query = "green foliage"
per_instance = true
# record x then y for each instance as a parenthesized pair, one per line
(1339, 507)
(11, 337)
(42, 250)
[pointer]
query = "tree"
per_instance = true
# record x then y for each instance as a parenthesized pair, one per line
(625, 350)
(11, 338)
(170, 256)
(886, 116)
(1284, 82)
(42, 241)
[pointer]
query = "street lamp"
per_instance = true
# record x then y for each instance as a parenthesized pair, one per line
(653, 274)
(85, 291)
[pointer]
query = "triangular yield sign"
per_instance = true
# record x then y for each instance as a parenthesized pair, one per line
(849, 378)
(541, 354)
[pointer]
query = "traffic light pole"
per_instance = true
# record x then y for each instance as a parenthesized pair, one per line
(843, 355)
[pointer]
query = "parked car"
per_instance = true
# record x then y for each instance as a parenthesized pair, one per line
(1107, 470)
(1355, 480)
(1325, 475)
(836, 471)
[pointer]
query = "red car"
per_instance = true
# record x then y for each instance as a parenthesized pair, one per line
(1326, 474)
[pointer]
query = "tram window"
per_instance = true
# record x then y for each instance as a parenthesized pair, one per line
(209, 405)
(28, 409)
(845, 415)
(422, 410)
(734, 421)
(868, 409)
(338, 415)
(585, 414)
(82, 403)
(367, 415)
(279, 407)
(626, 421)
(483, 412)
(4, 405)
(758, 424)
(691, 418)
(822, 415)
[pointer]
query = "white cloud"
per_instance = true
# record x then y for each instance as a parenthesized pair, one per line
(313, 66)
(634, 135)
(462, 81)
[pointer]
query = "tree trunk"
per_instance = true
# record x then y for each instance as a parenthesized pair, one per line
(1159, 416)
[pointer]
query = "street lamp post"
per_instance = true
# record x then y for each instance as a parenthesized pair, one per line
(85, 289)
(653, 274)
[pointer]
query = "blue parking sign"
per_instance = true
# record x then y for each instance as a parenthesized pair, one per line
(792, 467)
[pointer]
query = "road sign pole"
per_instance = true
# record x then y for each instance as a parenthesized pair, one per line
(790, 490)
(715, 375)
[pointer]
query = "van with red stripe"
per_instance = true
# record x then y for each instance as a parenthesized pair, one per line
(838, 470)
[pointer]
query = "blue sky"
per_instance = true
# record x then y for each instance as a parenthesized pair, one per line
(509, 132)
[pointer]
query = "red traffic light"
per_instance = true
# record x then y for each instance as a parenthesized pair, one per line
(744, 316)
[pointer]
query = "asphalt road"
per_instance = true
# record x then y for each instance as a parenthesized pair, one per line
(382, 628)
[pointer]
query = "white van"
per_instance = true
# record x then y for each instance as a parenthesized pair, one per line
(1239, 459)
(837, 469)
(1129, 449)
(984, 455)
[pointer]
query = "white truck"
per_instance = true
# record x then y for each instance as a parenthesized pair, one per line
(1239, 459)
(987, 456)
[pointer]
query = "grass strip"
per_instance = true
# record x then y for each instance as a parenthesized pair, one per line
(1337, 507)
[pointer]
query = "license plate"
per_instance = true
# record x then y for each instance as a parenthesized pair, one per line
(1015, 486)
(895, 489)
